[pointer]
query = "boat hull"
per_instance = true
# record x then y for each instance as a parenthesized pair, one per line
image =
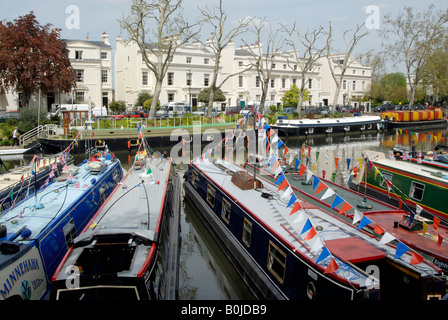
(320, 127)
(304, 280)
(53, 241)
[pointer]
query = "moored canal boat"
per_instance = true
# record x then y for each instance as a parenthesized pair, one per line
(130, 248)
(37, 232)
(328, 126)
(290, 252)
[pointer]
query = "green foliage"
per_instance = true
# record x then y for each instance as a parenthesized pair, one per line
(142, 97)
(291, 97)
(28, 118)
(117, 107)
(204, 95)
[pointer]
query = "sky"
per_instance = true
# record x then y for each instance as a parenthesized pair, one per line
(78, 19)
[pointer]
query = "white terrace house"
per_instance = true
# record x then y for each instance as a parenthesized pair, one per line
(191, 71)
(92, 61)
(356, 81)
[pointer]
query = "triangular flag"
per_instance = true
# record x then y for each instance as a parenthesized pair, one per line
(307, 226)
(347, 206)
(364, 221)
(378, 230)
(436, 223)
(280, 179)
(296, 207)
(292, 200)
(315, 182)
(325, 253)
(357, 216)
(416, 258)
(439, 239)
(336, 161)
(336, 201)
(327, 194)
(332, 267)
(386, 238)
(310, 234)
(401, 249)
(302, 169)
(425, 227)
(287, 193)
(321, 187)
(283, 185)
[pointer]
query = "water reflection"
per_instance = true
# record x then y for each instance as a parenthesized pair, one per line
(205, 273)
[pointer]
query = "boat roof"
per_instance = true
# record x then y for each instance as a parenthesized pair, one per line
(47, 204)
(288, 227)
(437, 174)
(329, 121)
(125, 217)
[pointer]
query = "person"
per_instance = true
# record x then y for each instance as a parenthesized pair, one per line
(14, 137)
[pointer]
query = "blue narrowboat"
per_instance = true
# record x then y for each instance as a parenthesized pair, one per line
(271, 245)
(36, 233)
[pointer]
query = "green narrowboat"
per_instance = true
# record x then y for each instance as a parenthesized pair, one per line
(404, 183)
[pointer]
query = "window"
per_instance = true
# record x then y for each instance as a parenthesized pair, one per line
(104, 76)
(272, 82)
(417, 190)
(276, 262)
(144, 78)
(206, 60)
(257, 81)
(188, 60)
(344, 84)
(170, 97)
(240, 63)
(225, 211)
(206, 79)
(354, 71)
(194, 178)
(273, 66)
(240, 81)
(388, 176)
(79, 75)
(310, 83)
(284, 66)
(79, 98)
(170, 78)
(211, 196)
(283, 83)
(188, 78)
(103, 55)
(354, 85)
(295, 67)
(294, 80)
(247, 232)
(78, 55)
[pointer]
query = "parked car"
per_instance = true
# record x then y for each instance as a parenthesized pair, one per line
(128, 114)
(173, 108)
(233, 110)
(203, 112)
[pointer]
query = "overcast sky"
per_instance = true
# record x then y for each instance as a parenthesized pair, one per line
(98, 16)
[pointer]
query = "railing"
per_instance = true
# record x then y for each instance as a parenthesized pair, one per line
(42, 130)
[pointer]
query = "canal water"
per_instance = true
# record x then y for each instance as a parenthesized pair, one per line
(205, 273)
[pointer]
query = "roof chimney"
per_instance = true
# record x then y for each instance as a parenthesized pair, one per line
(105, 38)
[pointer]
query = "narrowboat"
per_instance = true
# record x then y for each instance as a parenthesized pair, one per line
(130, 248)
(396, 221)
(37, 232)
(299, 252)
(432, 117)
(411, 183)
(328, 126)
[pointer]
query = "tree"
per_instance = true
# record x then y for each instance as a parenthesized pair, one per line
(117, 107)
(415, 38)
(33, 58)
(342, 62)
(218, 42)
(158, 28)
(293, 95)
(141, 98)
(312, 52)
(204, 96)
(263, 62)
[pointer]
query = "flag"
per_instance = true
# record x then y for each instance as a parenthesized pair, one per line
(436, 223)
(416, 258)
(386, 238)
(307, 226)
(336, 201)
(296, 207)
(401, 249)
(70, 177)
(292, 200)
(310, 234)
(324, 254)
(332, 267)
(364, 221)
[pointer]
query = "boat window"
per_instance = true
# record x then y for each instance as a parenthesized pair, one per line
(276, 262)
(247, 232)
(194, 178)
(225, 211)
(386, 175)
(416, 191)
(69, 232)
(211, 196)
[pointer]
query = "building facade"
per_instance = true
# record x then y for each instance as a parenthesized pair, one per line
(92, 62)
(191, 70)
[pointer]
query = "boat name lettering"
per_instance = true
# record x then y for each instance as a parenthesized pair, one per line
(440, 264)
(18, 272)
